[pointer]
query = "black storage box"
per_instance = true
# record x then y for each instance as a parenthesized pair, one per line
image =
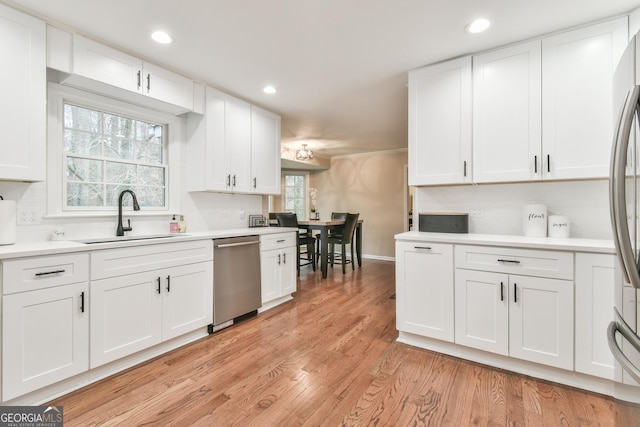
(444, 222)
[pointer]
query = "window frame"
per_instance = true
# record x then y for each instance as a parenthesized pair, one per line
(56, 158)
(306, 191)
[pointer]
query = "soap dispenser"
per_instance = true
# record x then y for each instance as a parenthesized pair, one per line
(182, 226)
(173, 225)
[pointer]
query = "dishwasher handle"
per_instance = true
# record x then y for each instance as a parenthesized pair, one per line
(232, 245)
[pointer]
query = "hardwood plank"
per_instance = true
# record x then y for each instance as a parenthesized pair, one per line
(329, 357)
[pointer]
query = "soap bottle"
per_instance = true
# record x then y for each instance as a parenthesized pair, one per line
(173, 225)
(182, 226)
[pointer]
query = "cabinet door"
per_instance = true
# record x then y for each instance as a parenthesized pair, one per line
(126, 316)
(541, 320)
(265, 151)
(107, 65)
(23, 87)
(424, 289)
(167, 86)
(482, 310)
(595, 299)
(270, 262)
(506, 114)
(440, 123)
(238, 143)
(45, 337)
(288, 271)
(216, 158)
(187, 298)
(577, 93)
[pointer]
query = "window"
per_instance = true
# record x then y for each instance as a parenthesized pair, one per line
(295, 194)
(106, 153)
(98, 146)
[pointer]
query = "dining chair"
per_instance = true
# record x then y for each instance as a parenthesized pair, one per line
(333, 232)
(344, 239)
(304, 238)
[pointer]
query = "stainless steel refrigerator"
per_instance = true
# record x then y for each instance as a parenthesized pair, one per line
(624, 195)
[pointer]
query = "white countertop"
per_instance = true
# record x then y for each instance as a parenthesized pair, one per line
(58, 247)
(570, 244)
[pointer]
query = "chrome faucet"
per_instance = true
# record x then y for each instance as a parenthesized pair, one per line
(136, 207)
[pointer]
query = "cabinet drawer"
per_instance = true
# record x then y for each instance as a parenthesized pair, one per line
(137, 259)
(527, 262)
(276, 241)
(27, 274)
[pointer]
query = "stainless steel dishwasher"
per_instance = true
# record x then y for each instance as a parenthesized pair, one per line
(236, 278)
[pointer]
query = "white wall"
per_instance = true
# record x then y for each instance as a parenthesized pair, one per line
(498, 207)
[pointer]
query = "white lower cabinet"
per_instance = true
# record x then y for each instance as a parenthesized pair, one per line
(133, 312)
(45, 337)
(277, 266)
(526, 317)
(595, 299)
(126, 316)
(424, 289)
(45, 321)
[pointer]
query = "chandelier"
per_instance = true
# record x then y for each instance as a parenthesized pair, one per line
(304, 153)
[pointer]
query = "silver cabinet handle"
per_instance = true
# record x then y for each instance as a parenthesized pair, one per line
(232, 245)
(284, 258)
(148, 83)
(619, 325)
(279, 259)
(512, 261)
(428, 248)
(168, 283)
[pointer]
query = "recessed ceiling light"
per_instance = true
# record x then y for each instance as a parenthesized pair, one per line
(161, 37)
(269, 89)
(479, 25)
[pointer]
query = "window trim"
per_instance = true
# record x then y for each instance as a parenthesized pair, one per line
(56, 97)
(306, 191)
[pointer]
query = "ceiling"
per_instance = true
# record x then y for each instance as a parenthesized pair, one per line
(340, 66)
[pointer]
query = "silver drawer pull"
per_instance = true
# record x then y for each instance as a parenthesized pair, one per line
(423, 247)
(280, 241)
(512, 261)
(45, 273)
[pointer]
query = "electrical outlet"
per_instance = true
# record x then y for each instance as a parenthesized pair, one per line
(29, 216)
(477, 212)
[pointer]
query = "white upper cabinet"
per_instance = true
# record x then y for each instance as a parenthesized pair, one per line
(577, 75)
(265, 151)
(106, 65)
(440, 123)
(234, 147)
(109, 71)
(23, 105)
(506, 114)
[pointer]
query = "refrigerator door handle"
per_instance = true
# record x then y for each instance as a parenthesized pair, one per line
(619, 325)
(617, 194)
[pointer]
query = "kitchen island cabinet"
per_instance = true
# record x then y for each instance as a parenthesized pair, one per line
(23, 81)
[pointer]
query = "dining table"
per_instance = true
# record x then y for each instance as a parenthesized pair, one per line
(324, 226)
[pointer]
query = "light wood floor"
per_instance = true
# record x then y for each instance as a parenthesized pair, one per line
(329, 358)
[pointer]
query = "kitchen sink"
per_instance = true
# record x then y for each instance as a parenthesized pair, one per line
(126, 238)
